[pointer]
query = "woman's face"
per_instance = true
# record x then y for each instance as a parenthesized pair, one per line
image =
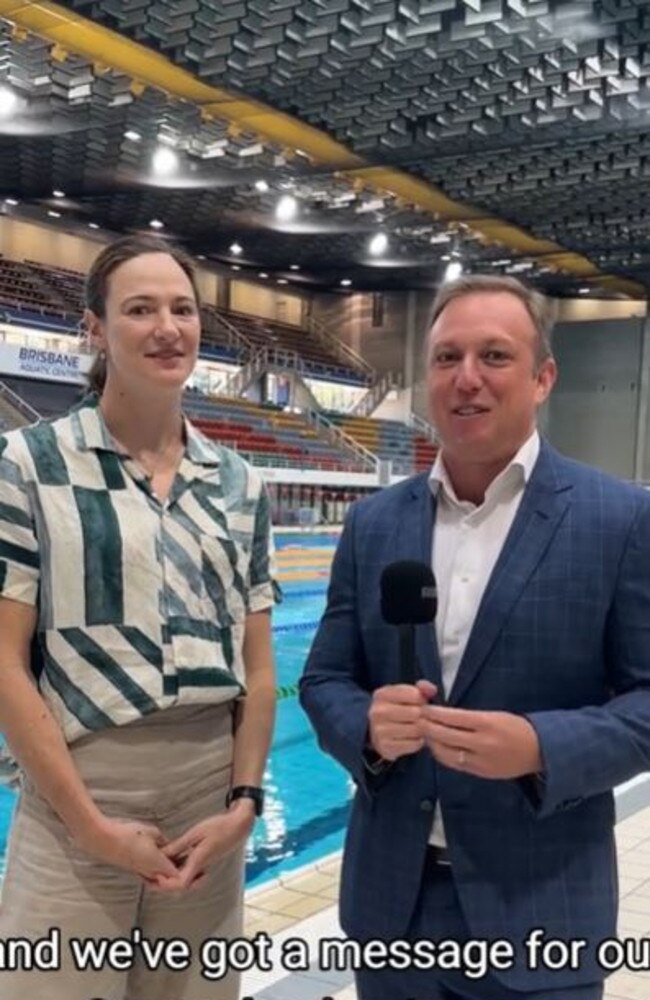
(151, 328)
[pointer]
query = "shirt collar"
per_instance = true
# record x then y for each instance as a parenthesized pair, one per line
(92, 434)
(519, 469)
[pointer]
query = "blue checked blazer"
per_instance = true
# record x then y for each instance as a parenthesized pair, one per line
(562, 636)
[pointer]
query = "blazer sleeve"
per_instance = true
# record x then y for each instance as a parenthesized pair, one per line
(330, 688)
(590, 750)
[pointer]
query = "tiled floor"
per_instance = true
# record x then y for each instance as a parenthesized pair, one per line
(302, 906)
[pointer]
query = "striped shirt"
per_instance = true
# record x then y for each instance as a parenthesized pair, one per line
(141, 605)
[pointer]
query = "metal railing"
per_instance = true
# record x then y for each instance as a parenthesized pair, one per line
(336, 435)
(423, 427)
(17, 403)
(375, 394)
(347, 355)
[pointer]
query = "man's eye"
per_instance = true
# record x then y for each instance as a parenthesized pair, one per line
(187, 310)
(494, 356)
(138, 310)
(444, 358)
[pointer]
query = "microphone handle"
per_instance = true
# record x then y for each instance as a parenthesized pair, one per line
(408, 664)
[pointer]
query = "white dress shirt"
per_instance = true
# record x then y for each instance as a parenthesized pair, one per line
(467, 541)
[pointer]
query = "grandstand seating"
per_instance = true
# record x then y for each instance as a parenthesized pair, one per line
(265, 435)
(318, 359)
(389, 439)
(45, 297)
(49, 399)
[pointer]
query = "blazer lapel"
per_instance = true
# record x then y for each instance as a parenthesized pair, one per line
(542, 508)
(413, 539)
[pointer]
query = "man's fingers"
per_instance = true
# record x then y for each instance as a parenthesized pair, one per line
(456, 718)
(398, 694)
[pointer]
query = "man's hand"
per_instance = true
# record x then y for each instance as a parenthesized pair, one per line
(128, 844)
(206, 842)
(394, 720)
(486, 744)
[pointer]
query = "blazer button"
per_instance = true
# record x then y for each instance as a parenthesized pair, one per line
(426, 806)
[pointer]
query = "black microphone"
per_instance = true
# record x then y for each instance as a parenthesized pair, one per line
(409, 597)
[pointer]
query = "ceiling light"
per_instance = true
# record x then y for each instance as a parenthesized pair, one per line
(235, 267)
(453, 271)
(8, 102)
(200, 256)
(132, 135)
(287, 208)
(261, 186)
(262, 274)
(584, 291)
(378, 244)
(283, 281)
(11, 201)
(54, 215)
(236, 249)
(157, 224)
(294, 267)
(346, 282)
(58, 194)
(164, 161)
(93, 225)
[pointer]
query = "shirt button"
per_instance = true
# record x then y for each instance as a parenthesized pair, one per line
(426, 806)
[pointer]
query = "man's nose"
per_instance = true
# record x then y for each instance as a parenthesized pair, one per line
(468, 374)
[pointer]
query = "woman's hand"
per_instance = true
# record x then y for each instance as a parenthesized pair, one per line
(131, 845)
(206, 842)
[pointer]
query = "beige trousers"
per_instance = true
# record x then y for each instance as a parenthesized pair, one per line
(173, 769)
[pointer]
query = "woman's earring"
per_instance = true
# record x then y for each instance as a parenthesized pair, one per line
(102, 355)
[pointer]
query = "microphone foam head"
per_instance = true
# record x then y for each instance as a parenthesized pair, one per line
(408, 593)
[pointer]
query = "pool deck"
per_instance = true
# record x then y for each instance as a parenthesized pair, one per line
(303, 905)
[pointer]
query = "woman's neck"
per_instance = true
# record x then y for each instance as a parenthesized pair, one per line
(144, 424)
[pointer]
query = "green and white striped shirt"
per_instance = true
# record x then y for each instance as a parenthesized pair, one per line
(141, 605)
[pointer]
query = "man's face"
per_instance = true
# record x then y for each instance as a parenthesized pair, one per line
(484, 382)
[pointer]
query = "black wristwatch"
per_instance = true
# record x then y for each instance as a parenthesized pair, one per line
(247, 792)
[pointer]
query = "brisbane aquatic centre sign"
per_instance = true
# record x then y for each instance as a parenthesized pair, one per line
(41, 363)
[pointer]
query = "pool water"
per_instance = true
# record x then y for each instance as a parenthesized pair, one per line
(307, 797)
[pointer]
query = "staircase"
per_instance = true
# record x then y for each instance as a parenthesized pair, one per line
(14, 411)
(369, 402)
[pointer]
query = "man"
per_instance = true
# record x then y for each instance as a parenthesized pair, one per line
(484, 807)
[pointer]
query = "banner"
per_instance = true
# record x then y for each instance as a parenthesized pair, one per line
(41, 363)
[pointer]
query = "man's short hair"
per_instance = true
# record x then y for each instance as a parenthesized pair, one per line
(541, 310)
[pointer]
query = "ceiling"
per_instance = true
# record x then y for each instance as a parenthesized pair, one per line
(510, 135)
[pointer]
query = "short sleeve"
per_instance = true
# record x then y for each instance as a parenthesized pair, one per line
(19, 555)
(263, 590)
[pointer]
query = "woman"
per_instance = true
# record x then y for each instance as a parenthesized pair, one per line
(134, 558)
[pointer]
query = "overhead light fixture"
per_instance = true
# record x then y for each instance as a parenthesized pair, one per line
(283, 281)
(132, 135)
(93, 225)
(8, 102)
(378, 245)
(200, 256)
(453, 271)
(262, 274)
(11, 201)
(346, 282)
(164, 161)
(236, 249)
(287, 208)
(157, 224)
(294, 267)
(58, 194)
(584, 291)
(261, 186)
(54, 215)
(235, 267)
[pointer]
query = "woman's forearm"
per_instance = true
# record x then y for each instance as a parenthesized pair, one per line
(256, 711)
